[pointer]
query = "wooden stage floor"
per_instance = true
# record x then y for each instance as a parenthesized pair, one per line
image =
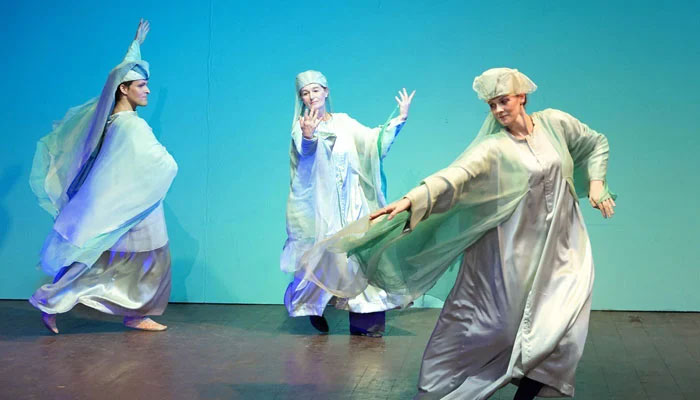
(257, 352)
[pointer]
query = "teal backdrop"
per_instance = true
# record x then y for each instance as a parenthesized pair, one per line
(222, 102)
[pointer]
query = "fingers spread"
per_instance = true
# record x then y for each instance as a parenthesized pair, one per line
(378, 213)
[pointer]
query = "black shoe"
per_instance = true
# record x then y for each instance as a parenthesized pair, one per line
(360, 332)
(367, 324)
(319, 322)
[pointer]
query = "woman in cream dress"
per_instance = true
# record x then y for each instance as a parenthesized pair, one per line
(518, 311)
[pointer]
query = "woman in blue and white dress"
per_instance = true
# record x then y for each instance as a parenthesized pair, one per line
(336, 178)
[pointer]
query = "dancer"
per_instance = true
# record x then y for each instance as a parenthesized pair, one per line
(336, 178)
(520, 306)
(103, 176)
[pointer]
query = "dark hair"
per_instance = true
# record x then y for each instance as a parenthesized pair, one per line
(118, 94)
(525, 102)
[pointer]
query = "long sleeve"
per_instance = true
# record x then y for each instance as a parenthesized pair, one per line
(132, 173)
(389, 135)
(152, 157)
(133, 53)
(437, 194)
(129, 179)
(442, 190)
(588, 149)
(302, 146)
(308, 146)
(375, 139)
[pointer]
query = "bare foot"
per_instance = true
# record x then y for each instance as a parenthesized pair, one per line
(49, 321)
(144, 324)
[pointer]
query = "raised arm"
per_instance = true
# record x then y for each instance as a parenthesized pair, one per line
(404, 102)
(381, 138)
(395, 124)
(304, 141)
(134, 52)
(142, 31)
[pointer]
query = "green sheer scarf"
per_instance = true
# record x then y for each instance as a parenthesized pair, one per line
(410, 253)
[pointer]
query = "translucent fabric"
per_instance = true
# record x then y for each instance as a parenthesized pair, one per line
(521, 301)
(129, 179)
(62, 155)
(99, 175)
(450, 211)
(119, 282)
(336, 178)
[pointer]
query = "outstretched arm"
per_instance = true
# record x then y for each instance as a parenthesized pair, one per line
(442, 190)
(134, 52)
(392, 209)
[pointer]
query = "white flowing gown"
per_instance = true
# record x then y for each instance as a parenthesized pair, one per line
(336, 180)
(521, 302)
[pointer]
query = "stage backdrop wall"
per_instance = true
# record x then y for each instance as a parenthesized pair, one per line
(222, 101)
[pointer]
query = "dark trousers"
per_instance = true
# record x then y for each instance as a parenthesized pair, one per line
(373, 322)
(528, 389)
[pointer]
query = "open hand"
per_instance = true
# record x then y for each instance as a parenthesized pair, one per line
(404, 101)
(308, 123)
(142, 31)
(392, 209)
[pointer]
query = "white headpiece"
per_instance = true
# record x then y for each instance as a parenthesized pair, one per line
(309, 77)
(139, 71)
(502, 81)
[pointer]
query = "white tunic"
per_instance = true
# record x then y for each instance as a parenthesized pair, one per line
(335, 181)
